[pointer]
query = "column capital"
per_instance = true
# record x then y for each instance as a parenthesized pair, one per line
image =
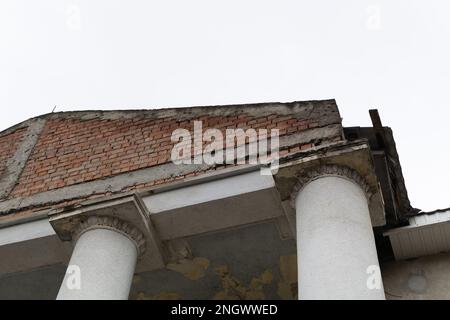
(319, 171)
(115, 224)
(124, 214)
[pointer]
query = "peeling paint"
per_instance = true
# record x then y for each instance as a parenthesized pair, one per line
(233, 289)
(192, 269)
(287, 286)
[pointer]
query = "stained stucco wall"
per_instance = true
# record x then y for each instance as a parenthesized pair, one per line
(251, 262)
(422, 278)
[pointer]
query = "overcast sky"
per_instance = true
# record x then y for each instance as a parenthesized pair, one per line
(106, 54)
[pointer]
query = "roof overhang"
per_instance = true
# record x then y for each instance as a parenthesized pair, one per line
(426, 234)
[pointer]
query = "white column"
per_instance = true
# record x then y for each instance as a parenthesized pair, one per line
(337, 257)
(102, 263)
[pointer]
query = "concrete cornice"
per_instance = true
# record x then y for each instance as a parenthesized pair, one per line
(298, 109)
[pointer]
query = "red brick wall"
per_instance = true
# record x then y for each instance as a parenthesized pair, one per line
(71, 151)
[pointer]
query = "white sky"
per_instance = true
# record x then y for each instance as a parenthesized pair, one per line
(107, 54)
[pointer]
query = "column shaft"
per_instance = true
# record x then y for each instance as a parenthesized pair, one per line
(105, 260)
(335, 241)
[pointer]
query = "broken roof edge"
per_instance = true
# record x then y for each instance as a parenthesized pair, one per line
(385, 142)
(159, 113)
(394, 160)
(421, 213)
(423, 219)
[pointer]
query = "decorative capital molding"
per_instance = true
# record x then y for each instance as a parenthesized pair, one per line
(112, 223)
(329, 170)
(125, 214)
